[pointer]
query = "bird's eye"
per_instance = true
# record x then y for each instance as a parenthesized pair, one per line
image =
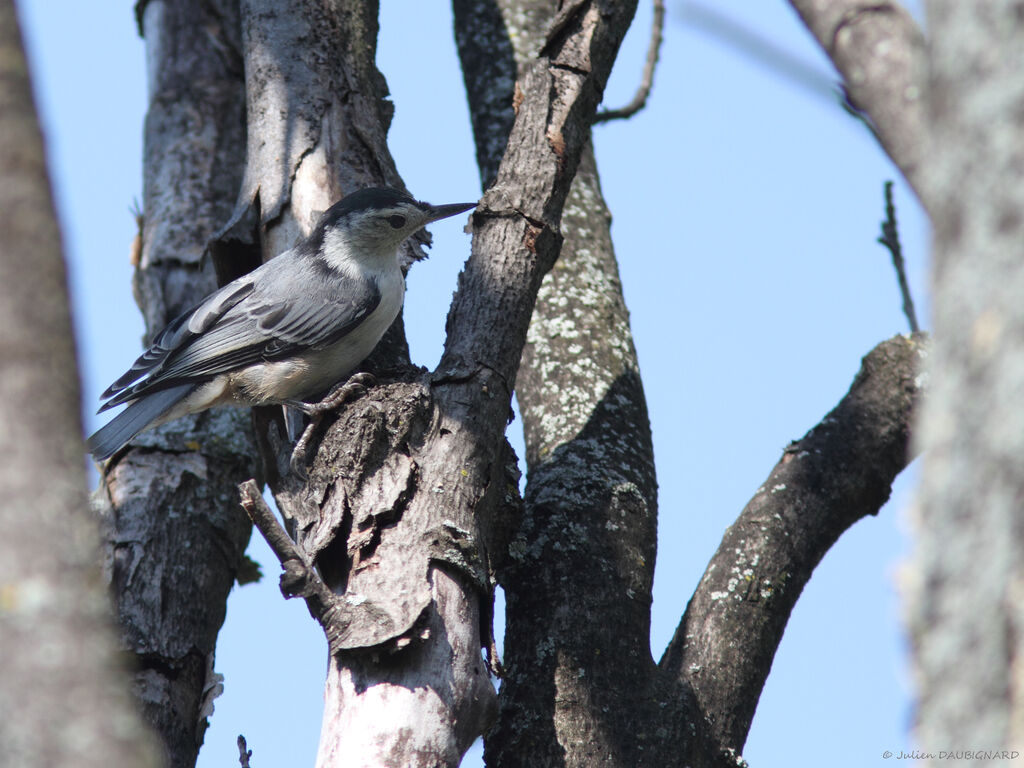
(396, 221)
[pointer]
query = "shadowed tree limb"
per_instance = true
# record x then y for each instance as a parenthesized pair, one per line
(839, 472)
(63, 689)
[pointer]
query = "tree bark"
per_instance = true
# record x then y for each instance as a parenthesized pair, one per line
(63, 694)
(578, 570)
(838, 473)
(397, 533)
(174, 534)
(581, 687)
(966, 602)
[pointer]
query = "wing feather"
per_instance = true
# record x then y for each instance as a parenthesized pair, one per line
(248, 322)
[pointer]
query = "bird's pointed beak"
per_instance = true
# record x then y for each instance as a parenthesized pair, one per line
(436, 212)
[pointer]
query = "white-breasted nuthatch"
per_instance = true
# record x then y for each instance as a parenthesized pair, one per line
(285, 332)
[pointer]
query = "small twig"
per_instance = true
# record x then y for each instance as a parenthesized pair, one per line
(262, 517)
(890, 238)
(243, 753)
(299, 579)
(647, 82)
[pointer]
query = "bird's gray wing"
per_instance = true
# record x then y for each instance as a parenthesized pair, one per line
(177, 334)
(273, 322)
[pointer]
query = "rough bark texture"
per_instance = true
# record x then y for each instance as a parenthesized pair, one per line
(581, 688)
(838, 473)
(881, 55)
(577, 573)
(967, 602)
(317, 115)
(174, 533)
(399, 530)
(63, 694)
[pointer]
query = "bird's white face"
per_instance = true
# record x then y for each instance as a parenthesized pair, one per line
(368, 239)
(371, 238)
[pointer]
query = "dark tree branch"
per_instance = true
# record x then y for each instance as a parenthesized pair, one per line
(639, 100)
(890, 238)
(838, 473)
(299, 579)
(243, 753)
(880, 52)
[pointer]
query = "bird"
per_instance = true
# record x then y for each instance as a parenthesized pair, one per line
(284, 333)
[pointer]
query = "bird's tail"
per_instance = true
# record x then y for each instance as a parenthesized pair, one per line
(136, 417)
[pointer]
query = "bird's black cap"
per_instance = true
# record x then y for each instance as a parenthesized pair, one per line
(371, 198)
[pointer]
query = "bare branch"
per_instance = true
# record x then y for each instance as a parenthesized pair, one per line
(299, 579)
(880, 52)
(838, 473)
(761, 50)
(890, 238)
(243, 753)
(647, 81)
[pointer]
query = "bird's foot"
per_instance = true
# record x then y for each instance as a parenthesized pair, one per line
(349, 390)
(355, 386)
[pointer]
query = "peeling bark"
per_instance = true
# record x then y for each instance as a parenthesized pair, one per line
(174, 535)
(450, 426)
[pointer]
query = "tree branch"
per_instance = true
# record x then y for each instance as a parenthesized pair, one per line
(838, 473)
(890, 238)
(639, 100)
(880, 52)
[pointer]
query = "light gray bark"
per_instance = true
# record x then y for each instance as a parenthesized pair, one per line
(967, 598)
(63, 693)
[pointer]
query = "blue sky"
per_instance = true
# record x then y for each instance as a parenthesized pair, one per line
(745, 215)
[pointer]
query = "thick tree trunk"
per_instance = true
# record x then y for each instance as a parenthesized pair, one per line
(63, 695)
(175, 536)
(967, 601)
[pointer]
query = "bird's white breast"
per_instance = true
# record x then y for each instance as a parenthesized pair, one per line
(313, 372)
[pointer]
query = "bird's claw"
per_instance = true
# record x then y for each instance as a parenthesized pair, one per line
(353, 388)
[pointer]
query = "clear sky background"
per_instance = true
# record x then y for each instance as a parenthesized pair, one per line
(746, 206)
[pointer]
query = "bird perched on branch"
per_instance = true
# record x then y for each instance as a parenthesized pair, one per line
(284, 333)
